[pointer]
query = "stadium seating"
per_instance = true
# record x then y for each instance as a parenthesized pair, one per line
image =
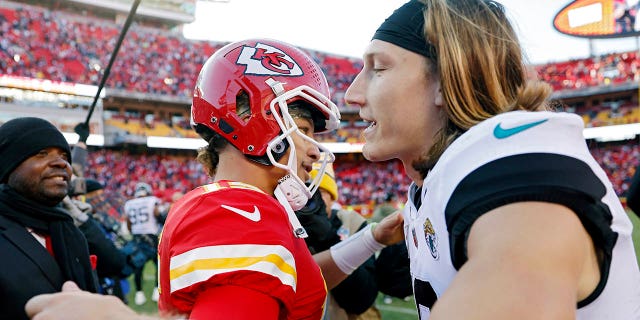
(361, 184)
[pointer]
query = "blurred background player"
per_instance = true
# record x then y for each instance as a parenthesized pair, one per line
(144, 218)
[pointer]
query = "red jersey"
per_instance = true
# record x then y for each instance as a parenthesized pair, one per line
(231, 233)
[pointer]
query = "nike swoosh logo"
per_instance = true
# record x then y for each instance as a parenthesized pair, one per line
(253, 216)
(502, 133)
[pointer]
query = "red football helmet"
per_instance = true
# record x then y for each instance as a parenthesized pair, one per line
(266, 70)
(271, 74)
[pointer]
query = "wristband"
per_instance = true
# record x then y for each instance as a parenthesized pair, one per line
(349, 254)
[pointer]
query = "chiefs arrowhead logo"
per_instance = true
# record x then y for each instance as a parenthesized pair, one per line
(265, 60)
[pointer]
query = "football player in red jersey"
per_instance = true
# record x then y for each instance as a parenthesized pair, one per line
(257, 103)
(234, 249)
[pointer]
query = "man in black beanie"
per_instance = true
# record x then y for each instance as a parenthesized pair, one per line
(40, 246)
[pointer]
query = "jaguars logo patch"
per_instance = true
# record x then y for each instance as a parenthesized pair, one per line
(431, 238)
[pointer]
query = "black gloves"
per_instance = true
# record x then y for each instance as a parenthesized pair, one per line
(82, 130)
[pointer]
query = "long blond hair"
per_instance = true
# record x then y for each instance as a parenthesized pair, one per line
(480, 65)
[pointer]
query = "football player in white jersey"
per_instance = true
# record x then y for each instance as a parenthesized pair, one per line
(508, 215)
(143, 221)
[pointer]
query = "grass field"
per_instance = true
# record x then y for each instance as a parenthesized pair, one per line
(398, 309)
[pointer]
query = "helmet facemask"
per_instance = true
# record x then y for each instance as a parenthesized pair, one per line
(291, 191)
(295, 190)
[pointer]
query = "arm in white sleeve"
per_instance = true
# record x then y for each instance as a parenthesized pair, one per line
(349, 254)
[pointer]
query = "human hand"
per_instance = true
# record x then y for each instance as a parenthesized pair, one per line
(82, 130)
(77, 304)
(79, 217)
(390, 230)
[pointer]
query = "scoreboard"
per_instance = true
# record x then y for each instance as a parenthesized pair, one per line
(599, 18)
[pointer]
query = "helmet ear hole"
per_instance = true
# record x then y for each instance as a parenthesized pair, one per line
(264, 159)
(280, 148)
(243, 106)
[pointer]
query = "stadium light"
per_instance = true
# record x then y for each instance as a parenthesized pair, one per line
(175, 143)
(613, 133)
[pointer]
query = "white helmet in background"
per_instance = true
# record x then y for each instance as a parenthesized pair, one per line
(142, 190)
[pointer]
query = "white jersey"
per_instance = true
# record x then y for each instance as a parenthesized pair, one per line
(140, 212)
(512, 157)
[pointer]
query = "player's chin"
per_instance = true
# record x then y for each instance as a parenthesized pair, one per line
(373, 152)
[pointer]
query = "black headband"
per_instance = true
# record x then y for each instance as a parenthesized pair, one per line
(405, 28)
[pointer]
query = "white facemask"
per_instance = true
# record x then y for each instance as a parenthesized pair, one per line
(291, 189)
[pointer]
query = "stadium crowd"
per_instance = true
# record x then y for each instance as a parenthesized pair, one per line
(361, 184)
(610, 69)
(75, 48)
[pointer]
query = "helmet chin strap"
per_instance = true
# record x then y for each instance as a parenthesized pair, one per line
(294, 190)
(289, 194)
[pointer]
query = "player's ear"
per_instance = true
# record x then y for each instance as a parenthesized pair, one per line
(438, 101)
